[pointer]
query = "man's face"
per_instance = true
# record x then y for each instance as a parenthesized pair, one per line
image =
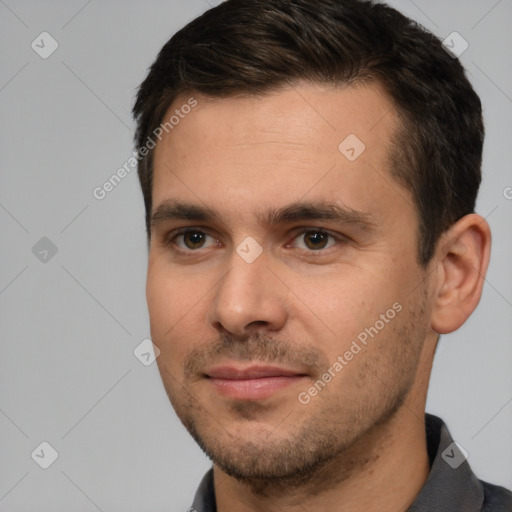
(329, 275)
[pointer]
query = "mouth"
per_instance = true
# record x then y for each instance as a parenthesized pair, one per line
(252, 383)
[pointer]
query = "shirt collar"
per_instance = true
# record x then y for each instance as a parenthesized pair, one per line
(451, 485)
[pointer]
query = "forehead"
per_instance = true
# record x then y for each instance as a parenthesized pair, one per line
(329, 143)
(295, 113)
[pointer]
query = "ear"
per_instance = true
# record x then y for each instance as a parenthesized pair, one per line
(462, 258)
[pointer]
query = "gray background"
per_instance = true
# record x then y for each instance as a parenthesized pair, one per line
(70, 324)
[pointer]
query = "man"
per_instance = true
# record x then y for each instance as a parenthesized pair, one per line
(310, 170)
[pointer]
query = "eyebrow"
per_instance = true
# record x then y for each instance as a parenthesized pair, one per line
(171, 209)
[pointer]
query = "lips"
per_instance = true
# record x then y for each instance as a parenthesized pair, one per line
(253, 372)
(252, 383)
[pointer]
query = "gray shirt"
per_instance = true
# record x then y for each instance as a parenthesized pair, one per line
(451, 486)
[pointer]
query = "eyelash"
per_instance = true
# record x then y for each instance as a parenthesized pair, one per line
(171, 237)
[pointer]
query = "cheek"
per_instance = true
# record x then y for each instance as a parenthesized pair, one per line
(160, 299)
(168, 293)
(344, 300)
(346, 303)
(165, 306)
(175, 304)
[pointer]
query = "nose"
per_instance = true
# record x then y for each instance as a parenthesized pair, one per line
(249, 298)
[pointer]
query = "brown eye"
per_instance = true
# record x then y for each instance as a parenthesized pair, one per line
(316, 239)
(194, 239)
(188, 240)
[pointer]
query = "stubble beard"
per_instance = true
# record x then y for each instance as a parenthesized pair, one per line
(311, 447)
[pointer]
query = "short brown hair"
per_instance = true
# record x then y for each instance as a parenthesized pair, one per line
(259, 46)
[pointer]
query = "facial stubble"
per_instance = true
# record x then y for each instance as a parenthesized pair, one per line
(302, 446)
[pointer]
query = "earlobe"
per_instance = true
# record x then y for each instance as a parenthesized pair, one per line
(462, 257)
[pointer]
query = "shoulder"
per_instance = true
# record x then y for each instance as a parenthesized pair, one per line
(496, 498)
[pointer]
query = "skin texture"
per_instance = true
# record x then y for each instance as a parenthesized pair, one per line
(359, 443)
